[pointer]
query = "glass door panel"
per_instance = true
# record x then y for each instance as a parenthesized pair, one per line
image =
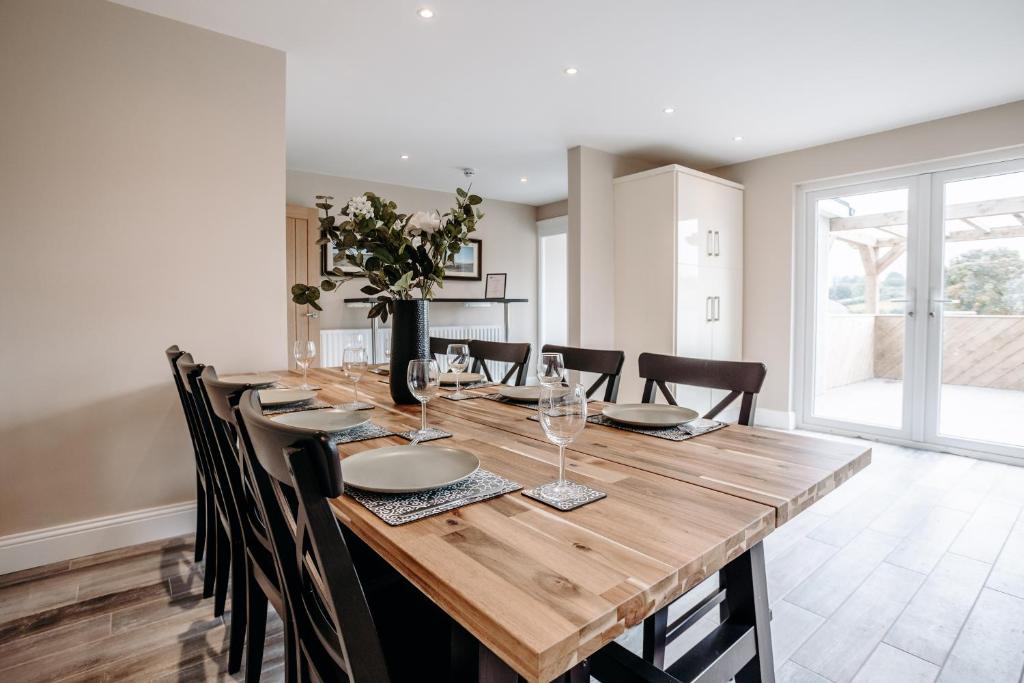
(980, 310)
(860, 307)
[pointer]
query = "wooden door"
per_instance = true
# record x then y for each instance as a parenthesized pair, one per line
(302, 229)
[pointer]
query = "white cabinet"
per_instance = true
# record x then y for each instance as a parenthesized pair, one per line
(703, 217)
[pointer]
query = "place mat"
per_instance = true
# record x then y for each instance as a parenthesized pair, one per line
(465, 397)
(581, 494)
(432, 434)
(683, 432)
(368, 430)
(473, 385)
(401, 508)
(312, 404)
(352, 405)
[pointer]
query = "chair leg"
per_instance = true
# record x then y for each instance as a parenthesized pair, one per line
(210, 552)
(200, 519)
(256, 629)
(291, 651)
(239, 604)
(223, 570)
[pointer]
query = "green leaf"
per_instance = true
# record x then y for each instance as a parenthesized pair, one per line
(315, 305)
(475, 199)
(459, 191)
(328, 285)
(369, 290)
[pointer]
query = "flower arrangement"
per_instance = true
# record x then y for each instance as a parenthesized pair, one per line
(398, 253)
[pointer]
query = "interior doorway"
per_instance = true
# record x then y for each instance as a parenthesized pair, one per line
(553, 281)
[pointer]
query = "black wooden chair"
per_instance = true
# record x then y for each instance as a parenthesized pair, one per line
(739, 378)
(607, 364)
(439, 346)
(218, 550)
(518, 354)
(254, 578)
(203, 494)
(344, 631)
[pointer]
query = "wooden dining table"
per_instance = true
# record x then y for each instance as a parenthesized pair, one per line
(538, 590)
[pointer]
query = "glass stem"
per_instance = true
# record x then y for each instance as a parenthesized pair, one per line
(355, 387)
(458, 385)
(305, 370)
(561, 464)
(423, 416)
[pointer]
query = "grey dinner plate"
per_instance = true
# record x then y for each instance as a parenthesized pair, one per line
(649, 414)
(448, 378)
(255, 380)
(325, 420)
(406, 469)
(527, 394)
(280, 397)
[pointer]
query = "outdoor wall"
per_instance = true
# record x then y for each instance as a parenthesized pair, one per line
(770, 188)
(142, 205)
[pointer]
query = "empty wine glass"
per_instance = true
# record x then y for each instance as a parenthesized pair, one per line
(563, 415)
(550, 369)
(424, 380)
(458, 362)
(354, 365)
(304, 352)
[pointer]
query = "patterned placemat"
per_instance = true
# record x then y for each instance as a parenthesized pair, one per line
(312, 404)
(681, 433)
(369, 430)
(579, 495)
(432, 434)
(401, 508)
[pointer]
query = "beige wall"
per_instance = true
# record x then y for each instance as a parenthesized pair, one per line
(508, 231)
(553, 210)
(592, 244)
(142, 199)
(769, 209)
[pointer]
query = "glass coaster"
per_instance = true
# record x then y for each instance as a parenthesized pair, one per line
(581, 495)
(432, 433)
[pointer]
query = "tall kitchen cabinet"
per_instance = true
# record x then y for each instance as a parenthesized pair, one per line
(678, 272)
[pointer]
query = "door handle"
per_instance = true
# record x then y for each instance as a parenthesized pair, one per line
(718, 245)
(707, 241)
(313, 314)
(931, 313)
(909, 311)
(718, 308)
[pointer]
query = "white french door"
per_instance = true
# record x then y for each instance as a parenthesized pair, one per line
(912, 309)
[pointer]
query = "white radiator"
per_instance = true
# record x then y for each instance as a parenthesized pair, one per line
(334, 342)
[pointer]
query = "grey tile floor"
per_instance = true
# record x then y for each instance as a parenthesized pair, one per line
(912, 571)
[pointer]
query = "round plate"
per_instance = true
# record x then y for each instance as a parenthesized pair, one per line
(447, 378)
(326, 420)
(406, 469)
(255, 380)
(280, 397)
(526, 394)
(649, 415)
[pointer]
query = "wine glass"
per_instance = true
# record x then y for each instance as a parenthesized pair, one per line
(563, 415)
(458, 362)
(304, 353)
(354, 365)
(424, 380)
(550, 369)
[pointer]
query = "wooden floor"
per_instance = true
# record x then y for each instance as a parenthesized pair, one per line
(911, 571)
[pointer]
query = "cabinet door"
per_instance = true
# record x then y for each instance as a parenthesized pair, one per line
(721, 209)
(727, 329)
(694, 235)
(693, 329)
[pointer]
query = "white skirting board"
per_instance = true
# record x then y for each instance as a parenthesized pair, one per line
(775, 419)
(68, 541)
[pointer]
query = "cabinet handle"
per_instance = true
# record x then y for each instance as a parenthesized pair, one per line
(707, 309)
(718, 308)
(718, 250)
(710, 249)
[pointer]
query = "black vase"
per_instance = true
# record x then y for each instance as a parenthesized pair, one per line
(410, 340)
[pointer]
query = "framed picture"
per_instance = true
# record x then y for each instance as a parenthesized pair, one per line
(331, 259)
(494, 288)
(468, 262)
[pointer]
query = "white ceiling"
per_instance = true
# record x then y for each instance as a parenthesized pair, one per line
(482, 84)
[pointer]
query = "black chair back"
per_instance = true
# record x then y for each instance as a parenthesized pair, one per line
(439, 346)
(518, 354)
(173, 353)
(607, 364)
(739, 378)
(324, 595)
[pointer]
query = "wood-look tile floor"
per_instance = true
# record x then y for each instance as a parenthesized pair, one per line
(911, 571)
(135, 614)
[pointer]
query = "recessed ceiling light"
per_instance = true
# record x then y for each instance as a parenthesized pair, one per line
(404, 157)
(737, 138)
(669, 110)
(425, 13)
(523, 179)
(571, 71)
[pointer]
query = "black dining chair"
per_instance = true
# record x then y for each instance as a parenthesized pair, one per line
(254, 578)
(516, 353)
(740, 378)
(439, 346)
(607, 364)
(344, 629)
(203, 495)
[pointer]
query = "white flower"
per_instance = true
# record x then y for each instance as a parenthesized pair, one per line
(424, 220)
(360, 206)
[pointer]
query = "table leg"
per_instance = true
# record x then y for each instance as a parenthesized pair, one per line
(746, 597)
(473, 662)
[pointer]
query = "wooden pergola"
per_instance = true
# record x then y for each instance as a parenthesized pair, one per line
(881, 238)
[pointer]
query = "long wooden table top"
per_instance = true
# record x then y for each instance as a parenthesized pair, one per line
(544, 589)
